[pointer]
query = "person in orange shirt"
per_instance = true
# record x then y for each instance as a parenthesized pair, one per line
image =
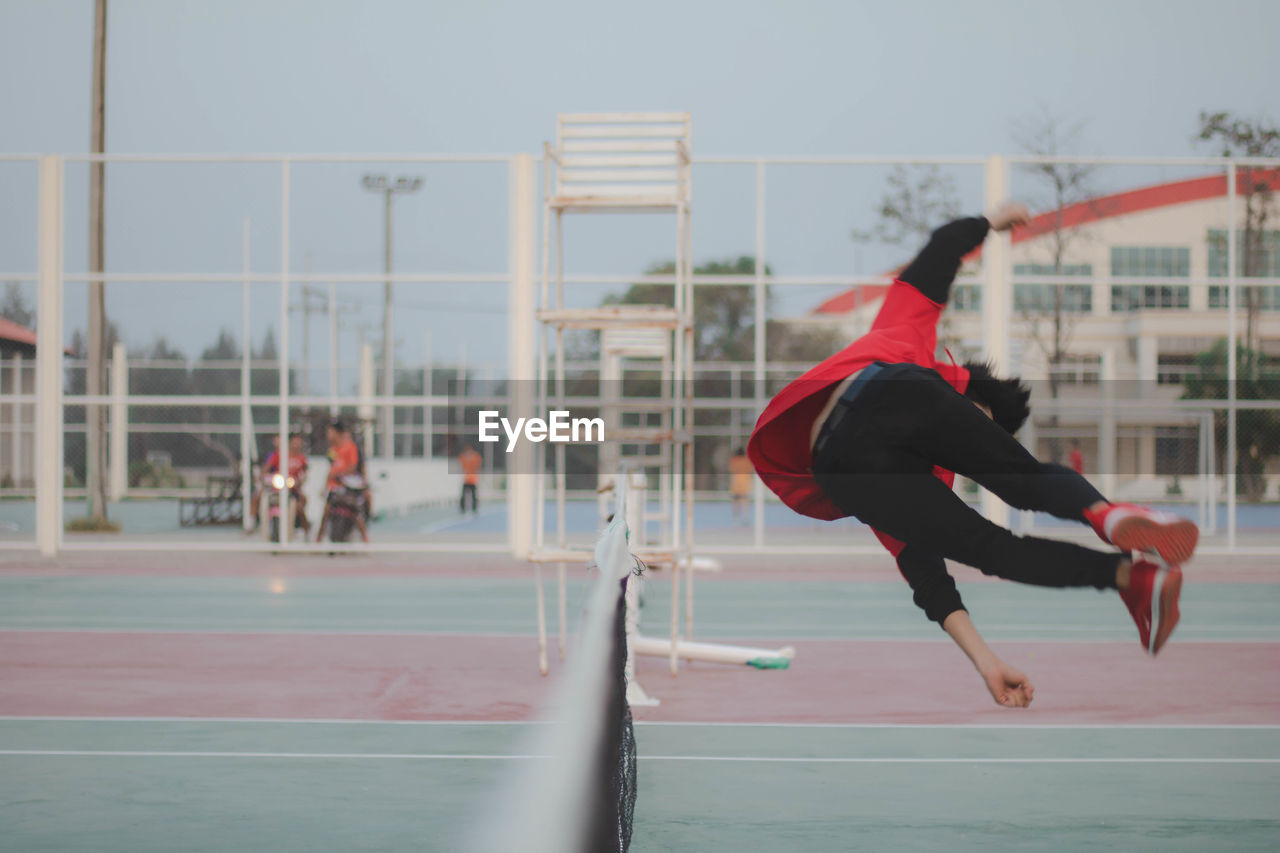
(741, 474)
(344, 459)
(470, 461)
(1076, 457)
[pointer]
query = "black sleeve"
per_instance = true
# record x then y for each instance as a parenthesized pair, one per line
(933, 587)
(936, 266)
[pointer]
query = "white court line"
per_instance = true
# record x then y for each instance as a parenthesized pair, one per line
(76, 753)
(655, 723)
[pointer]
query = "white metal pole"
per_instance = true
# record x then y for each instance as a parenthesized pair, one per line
(995, 302)
(364, 410)
(521, 328)
(284, 352)
(1233, 304)
(426, 395)
(49, 359)
(119, 456)
(333, 350)
(16, 421)
(1107, 431)
(246, 414)
(758, 367)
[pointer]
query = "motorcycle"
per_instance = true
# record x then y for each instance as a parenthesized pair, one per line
(346, 502)
(272, 484)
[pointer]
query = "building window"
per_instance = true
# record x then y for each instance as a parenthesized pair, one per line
(966, 297)
(1151, 261)
(1077, 370)
(1040, 298)
(1174, 368)
(1138, 297)
(1080, 270)
(1268, 296)
(1266, 258)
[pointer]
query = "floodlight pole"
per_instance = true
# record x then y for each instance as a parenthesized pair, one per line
(388, 188)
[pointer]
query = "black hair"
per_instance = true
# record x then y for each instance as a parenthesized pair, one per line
(1006, 398)
(338, 425)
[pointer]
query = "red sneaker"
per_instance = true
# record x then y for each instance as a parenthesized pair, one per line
(1152, 599)
(1135, 528)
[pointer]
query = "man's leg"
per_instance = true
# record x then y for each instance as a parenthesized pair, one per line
(922, 511)
(934, 421)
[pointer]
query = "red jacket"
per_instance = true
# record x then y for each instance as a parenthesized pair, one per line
(905, 331)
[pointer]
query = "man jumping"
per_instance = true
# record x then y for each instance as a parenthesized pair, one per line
(878, 430)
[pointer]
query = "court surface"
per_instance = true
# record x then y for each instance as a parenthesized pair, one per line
(204, 702)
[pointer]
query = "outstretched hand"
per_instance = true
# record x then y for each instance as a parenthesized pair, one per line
(1008, 215)
(1008, 686)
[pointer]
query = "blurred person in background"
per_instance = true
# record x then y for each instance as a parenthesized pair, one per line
(345, 461)
(1075, 458)
(741, 474)
(469, 461)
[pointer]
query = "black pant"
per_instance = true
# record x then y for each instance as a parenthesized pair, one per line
(468, 489)
(877, 464)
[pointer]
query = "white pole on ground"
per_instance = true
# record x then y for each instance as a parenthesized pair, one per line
(1233, 305)
(119, 455)
(284, 346)
(522, 323)
(246, 414)
(49, 359)
(995, 301)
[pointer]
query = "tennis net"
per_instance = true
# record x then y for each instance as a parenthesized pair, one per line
(576, 790)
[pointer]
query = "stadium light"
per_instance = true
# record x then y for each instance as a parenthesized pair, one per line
(383, 184)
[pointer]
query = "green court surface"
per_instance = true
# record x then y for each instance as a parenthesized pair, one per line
(806, 610)
(204, 785)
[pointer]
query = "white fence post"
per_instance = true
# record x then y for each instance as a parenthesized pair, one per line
(16, 423)
(521, 329)
(118, 459)
(995, 302)
(49, 359)
(1107, 432)
(365, 409)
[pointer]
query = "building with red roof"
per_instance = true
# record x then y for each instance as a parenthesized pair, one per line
(1140, 276)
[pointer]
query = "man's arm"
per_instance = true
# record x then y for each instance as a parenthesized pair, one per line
(935, 268)
(1008, 686)
(933, 588)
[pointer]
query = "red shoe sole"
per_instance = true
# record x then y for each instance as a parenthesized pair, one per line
(1174, 541)
(1165, 610)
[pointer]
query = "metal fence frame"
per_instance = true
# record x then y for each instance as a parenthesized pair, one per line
(50, 277)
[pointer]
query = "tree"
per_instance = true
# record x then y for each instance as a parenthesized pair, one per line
(916, 200)
(13, 306)
(1237, 137)
(1051, 321)
(1257, 430)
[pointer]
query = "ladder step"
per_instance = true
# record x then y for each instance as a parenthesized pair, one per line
(612, 317)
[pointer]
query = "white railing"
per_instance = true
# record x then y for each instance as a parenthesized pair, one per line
(989, 176)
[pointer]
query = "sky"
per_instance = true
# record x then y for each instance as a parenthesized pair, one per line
(907, 78)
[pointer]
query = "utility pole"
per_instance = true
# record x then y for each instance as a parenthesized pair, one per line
(388, 188)
(315, 300)
(96, 434)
